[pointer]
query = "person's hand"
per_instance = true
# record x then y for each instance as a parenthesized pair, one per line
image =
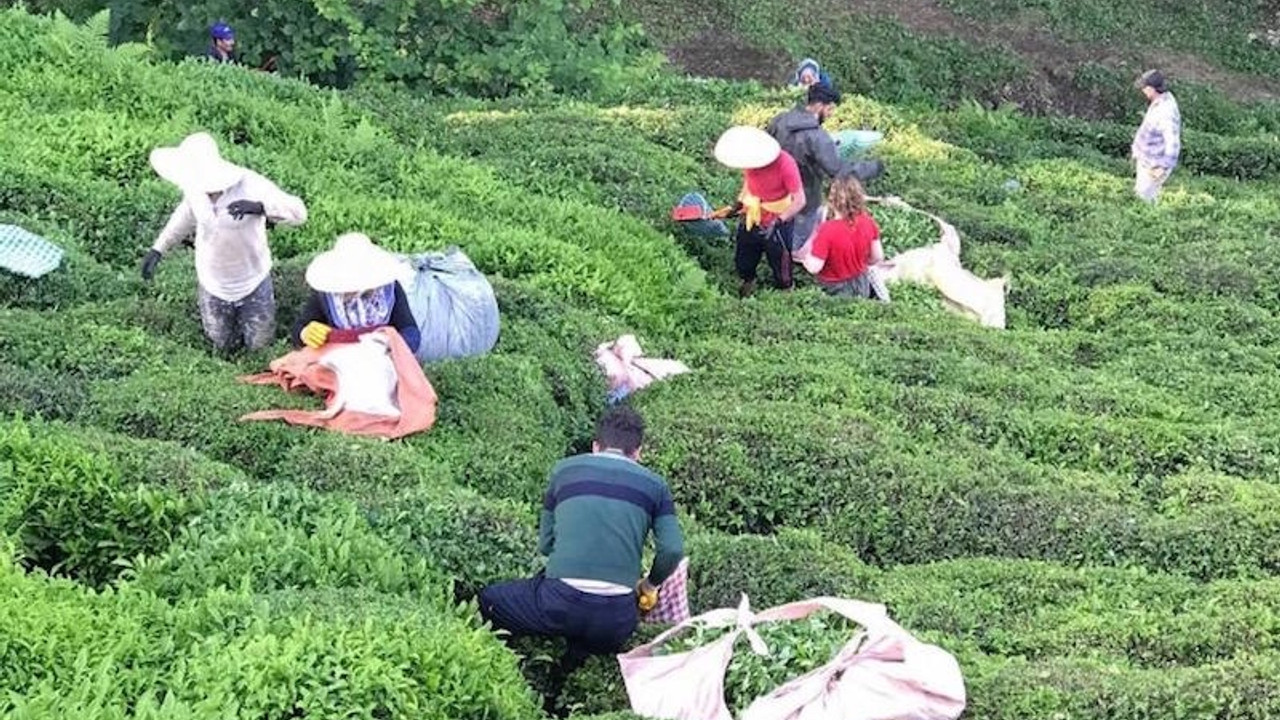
(1158, 172)
(646, 595)
(315, 334)
(149, 264)
(240, 208)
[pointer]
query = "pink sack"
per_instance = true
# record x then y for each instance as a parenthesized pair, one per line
(883, 673)
(627, 369)
(673, 598)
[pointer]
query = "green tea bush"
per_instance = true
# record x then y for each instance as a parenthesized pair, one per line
(40, 393)
(487, 48)
(1081, 507)
(473, 539)
(771, 570)
(127, 654)
(278, 537)
(72, 513)
(352, 655)
(1041, 610)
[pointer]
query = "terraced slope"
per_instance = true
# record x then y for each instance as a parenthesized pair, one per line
(1082, 508)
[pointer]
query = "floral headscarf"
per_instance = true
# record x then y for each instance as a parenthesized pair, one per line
(370, 308)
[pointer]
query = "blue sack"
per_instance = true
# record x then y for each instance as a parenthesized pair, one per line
(453, 304)
(853, 143)
(702, 228)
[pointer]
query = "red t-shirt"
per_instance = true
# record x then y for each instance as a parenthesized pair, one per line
(774, 181)
(845, 246)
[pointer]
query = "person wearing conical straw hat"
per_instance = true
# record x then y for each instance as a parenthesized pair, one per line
(227, 208)
(355, 289)
(772, 195)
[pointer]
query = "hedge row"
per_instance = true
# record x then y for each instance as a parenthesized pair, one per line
(531, 401)
(1062, 231)
(853, 471)
(279, 540)
(94, 181)
(126, 653)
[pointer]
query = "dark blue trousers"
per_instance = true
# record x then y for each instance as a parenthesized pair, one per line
(546, 607)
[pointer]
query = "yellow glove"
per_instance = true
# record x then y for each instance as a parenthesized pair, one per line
(646, 596)
(315, 334)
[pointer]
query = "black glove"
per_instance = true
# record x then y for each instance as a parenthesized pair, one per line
(149, 264)
(240, 208)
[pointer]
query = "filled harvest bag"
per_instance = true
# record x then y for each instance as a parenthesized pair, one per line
(27, 254)
(882, 673)
(938, 265)
(453, 304)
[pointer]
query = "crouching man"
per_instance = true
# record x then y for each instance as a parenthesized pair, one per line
(597, 514)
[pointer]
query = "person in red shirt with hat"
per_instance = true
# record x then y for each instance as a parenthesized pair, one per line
(771, 196)
(843, 248)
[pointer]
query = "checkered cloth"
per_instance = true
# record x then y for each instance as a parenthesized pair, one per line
(673, 598)
(25, 253)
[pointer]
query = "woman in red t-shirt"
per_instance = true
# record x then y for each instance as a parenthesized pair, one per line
(841, 250)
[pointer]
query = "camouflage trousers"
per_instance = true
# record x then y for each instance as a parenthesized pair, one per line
(249, 322)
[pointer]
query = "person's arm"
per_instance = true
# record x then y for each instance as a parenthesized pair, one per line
(278, 205)
(1172, 136)
(667, 539)
(795, 187)
(403, 321)
(827, 154)
(181, 224)
(312, 311)
(547, 521)
(816, 258)
(877, 252)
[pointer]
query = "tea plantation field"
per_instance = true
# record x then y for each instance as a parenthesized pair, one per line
(1084, 508)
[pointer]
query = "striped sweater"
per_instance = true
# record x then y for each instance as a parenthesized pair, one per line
(596, 516)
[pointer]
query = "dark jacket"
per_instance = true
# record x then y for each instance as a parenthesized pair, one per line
(213, 54)
(801, 135)
(316, 311)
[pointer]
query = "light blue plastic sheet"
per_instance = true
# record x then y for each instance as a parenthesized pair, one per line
(453, 304)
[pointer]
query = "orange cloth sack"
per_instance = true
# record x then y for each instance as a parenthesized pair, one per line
(374, 387)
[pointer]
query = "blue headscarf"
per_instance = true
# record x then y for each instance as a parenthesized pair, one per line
(810, 64)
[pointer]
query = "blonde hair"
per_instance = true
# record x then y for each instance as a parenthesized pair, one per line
(846, 198)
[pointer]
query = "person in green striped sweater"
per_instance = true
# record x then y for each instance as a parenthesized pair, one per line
(597, 514)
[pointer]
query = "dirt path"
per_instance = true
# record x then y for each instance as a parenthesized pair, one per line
(1054, 61)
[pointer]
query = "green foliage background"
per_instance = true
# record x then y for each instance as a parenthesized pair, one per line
(1082, 508)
